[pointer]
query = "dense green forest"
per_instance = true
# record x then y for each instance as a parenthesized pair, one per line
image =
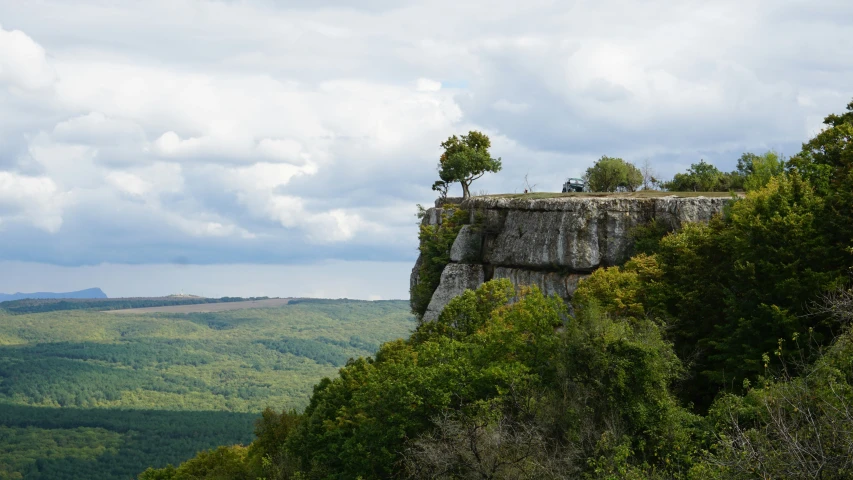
(71, 443)
(86, 391)
(720, 351)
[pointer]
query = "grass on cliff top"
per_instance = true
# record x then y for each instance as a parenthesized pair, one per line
(643, 194)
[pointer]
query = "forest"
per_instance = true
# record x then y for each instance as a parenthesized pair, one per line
(87, 394)
(719, 351)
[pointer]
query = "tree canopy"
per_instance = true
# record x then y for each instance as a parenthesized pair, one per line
(757, 170)
(610, 173)
(465, 159)
(700, 177)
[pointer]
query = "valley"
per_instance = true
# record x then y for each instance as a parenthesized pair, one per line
(91, 394)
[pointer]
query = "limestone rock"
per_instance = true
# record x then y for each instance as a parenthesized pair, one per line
(414, 277)
(455, 279)
(580, 233)
(552, 242)
(676, 210)
(467, 246)
(561, 284)
(432, 217)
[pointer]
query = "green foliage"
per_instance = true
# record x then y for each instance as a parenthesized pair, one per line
(242, 360)
(633, 178)
(71, 443)
(101, 364)
(222, 463)
(790, 427)
(24, 446)
(435, 243)
(633, 398)
(728, 290)
(647, 236)
(758, 170)
(464, 160)
(609, 174)
(759, 268)
(826, 161)
(704, 177)
(520, 383)
(356, 424)
(626, 291)
(466, 313)
(753, 172)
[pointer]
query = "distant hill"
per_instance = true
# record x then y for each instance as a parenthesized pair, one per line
(88, 293)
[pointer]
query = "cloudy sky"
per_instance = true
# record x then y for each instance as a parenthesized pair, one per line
(260, 147)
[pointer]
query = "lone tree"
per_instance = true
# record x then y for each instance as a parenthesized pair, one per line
(466, 159)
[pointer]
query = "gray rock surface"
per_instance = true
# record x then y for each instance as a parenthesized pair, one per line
(578, 233)
(455, 279)
(553, 242)
(562, 284)
(432, 217)
(467, 248)
(413, 278)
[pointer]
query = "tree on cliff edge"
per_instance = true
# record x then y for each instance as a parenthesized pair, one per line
(466, 159)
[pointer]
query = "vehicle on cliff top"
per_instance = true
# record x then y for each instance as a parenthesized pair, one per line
(574, 185)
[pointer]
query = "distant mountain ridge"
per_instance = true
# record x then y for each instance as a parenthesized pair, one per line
(87, 293)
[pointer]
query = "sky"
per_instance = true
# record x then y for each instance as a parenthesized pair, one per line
(259, 147)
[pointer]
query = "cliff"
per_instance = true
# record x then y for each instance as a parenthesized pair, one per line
(551, 242)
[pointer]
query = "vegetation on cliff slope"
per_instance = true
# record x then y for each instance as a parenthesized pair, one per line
(719, 351)
(435, 243)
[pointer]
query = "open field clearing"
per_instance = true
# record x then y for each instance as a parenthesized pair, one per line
(208, 307)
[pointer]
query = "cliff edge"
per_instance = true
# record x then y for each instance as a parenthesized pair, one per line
(551, 242)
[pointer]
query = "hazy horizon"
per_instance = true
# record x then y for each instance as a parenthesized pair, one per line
(326, 280)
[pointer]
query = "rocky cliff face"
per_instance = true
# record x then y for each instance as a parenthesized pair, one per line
(552, 243)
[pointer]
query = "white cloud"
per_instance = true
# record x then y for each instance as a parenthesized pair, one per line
(95, 128)
(31, 200)
(170, 145)
(129, 183)
(285, 150)
(336, 225)
(240, 126)
(205, 228)
(427, 85)
(23, 62)
(511, 107)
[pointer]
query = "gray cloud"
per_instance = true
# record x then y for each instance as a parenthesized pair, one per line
(293, 132)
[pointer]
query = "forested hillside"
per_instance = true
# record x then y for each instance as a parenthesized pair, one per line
(720, 351)
(86, 394)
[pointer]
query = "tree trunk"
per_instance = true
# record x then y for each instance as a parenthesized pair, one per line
(465, 192)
